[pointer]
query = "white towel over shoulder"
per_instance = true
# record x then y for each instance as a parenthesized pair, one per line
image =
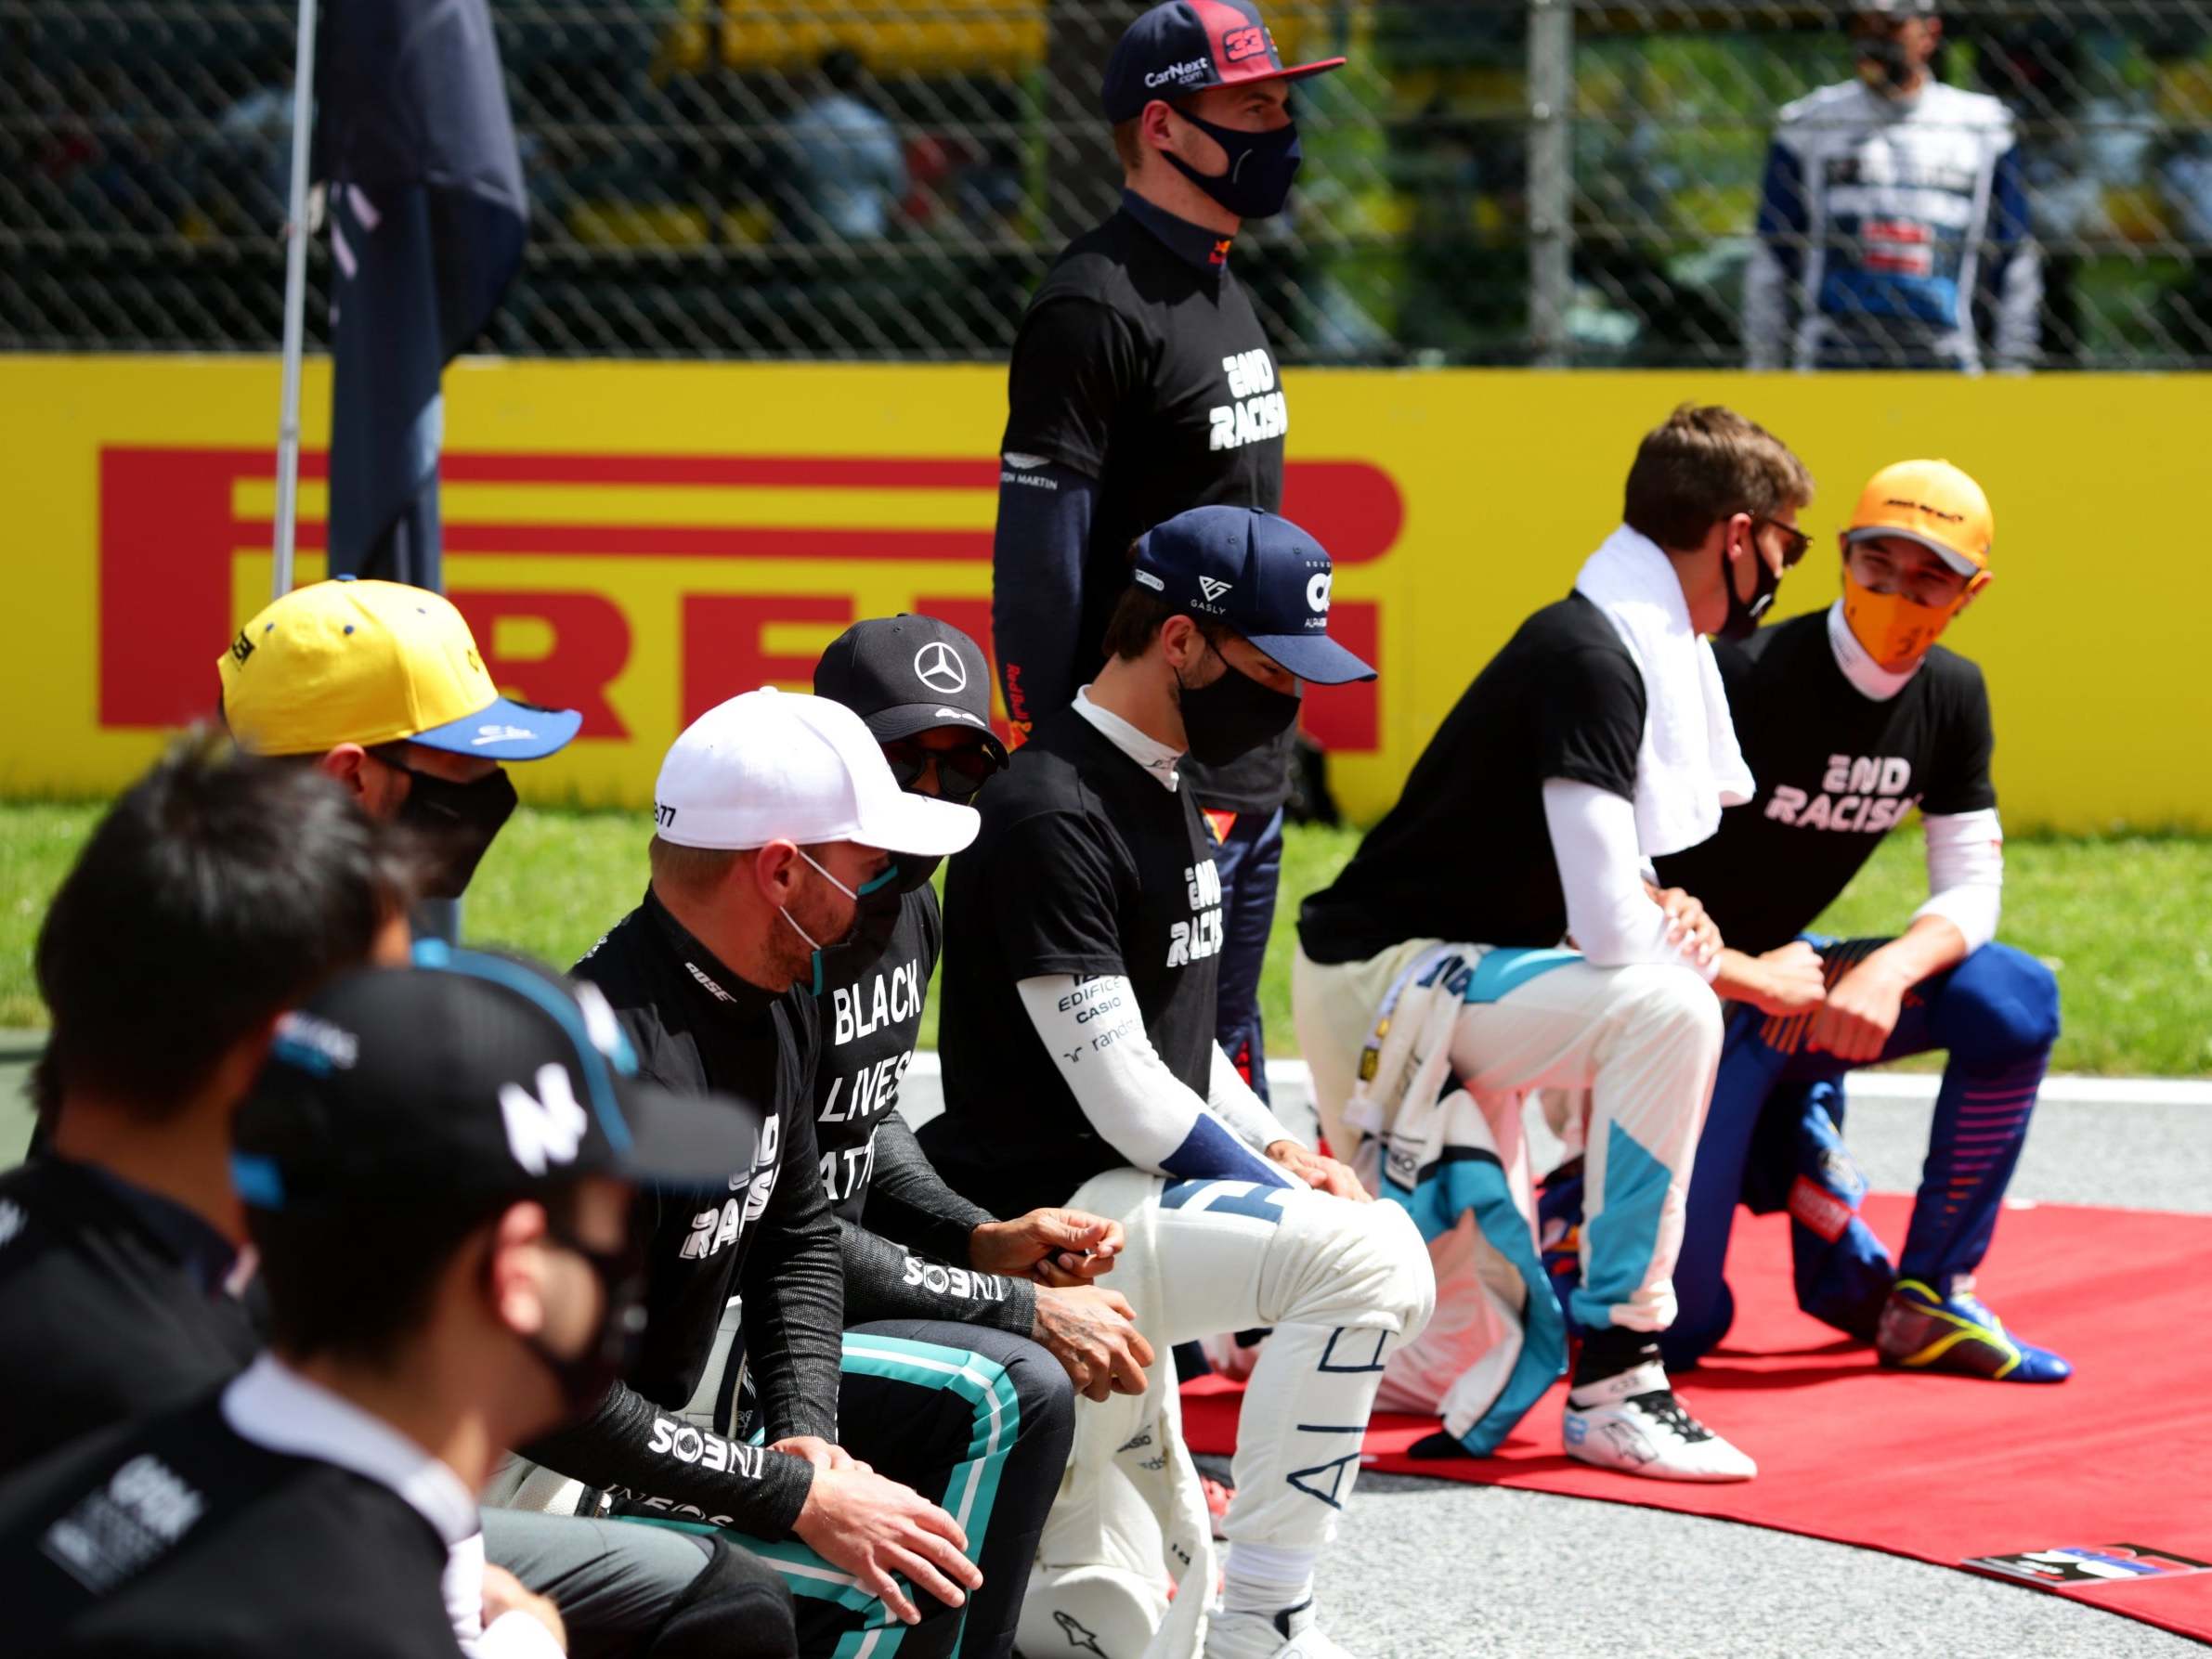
(1688, 766)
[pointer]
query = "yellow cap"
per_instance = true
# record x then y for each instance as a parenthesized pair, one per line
(364, 662)
(1931, 502)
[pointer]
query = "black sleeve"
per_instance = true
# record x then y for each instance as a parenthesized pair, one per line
(1590, 721)
(629, 1443)
(908, 1201)
(1063, 917)
(1037, 588)
(884, 1280)
(1961, 782)
(1075, 364)
(793, 1281)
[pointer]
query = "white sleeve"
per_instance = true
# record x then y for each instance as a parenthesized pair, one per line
(1765, 310)
(516, 1635)
(1141, 1109)
(1237, 1104)
(1966, 872)
(1612, 918)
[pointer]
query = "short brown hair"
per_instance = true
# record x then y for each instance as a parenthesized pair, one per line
(1701, 465)
(1127, 145)
(688, 868)
(1139, 615)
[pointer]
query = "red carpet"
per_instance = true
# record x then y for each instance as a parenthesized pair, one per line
(1937, 1468)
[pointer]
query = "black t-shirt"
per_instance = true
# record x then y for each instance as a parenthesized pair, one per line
(905, 1231)
(174, 1536)
(1146, 369)
(1836, 770)
(1465, 855)
(102, 1317)
(1085, 865)
(870, 1014)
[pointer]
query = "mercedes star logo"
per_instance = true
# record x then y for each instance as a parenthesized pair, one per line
(938, 665)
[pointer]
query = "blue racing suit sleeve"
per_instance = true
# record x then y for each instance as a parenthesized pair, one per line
(1036, 585)
(2014, 267)
(1771, 286)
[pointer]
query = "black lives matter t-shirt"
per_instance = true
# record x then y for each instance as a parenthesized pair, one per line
(1144, 371)
(870, 1016)
(174, 1536)
(1085, 865)
(1836, 770)
(1466, 855)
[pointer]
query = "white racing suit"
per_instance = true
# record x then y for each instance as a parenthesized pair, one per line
(1420, 1060)
(1881, 225)
(1342, 1284)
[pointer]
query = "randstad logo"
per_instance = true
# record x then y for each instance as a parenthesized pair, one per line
(1178, 71)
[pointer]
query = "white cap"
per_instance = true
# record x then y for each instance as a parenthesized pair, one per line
(782, 766)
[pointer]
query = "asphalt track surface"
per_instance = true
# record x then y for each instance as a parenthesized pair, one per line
(1437, 1570)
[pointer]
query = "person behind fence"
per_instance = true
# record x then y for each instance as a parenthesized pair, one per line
(336, 1476)
(1142, 385)
(1893, 229)
(878, 1467)
(914, 1247)
(1850, 718)
(1596, 737)
(1083, 937)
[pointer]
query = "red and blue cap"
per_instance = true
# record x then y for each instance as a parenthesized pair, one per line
(1186, 45)
(1259, 575)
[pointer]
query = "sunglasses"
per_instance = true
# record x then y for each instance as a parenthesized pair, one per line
(1795, 548)
(960, 772)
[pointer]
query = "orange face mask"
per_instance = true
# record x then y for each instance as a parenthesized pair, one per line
(1894, 631)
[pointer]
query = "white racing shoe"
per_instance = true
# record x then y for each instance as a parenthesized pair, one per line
(1633, 1423)
(1293, 1634)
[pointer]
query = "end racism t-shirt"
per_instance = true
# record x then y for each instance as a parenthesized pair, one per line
(1085, 865)
(1466, 855)
(1836, 770)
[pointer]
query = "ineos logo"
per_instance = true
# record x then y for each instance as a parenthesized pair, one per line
(938, 665)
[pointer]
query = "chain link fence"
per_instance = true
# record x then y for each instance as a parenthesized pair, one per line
(1491, 181)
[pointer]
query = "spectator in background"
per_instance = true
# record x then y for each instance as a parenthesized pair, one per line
(1893, 222)
(848, 172)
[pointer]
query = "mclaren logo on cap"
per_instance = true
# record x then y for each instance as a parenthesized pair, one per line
(939, 666)
(1212, 588)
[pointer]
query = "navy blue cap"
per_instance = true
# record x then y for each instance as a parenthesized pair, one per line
(1259, 575)
(1187, 45)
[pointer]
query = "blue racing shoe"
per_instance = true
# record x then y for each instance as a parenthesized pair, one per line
(1922, 1331)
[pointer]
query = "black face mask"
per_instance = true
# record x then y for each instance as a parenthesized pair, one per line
(1883, 63)
(914, 873)
(458, 822)
(1261, 166)
(1233, 716)
(583, 1378)
(1744, 615)
(876, 916)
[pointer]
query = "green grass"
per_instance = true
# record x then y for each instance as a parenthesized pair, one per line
(2119, 918)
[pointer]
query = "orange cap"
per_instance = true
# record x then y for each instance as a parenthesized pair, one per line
(1931, 502)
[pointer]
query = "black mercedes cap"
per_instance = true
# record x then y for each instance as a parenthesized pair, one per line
(467, 1074)
(906, 674)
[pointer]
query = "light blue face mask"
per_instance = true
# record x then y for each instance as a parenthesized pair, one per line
(870, 923)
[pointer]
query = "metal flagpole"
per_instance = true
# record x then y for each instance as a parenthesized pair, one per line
(295, 303)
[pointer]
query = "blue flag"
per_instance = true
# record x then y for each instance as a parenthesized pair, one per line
(427, 217)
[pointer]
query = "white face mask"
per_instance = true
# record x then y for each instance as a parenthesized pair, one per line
(812, 943)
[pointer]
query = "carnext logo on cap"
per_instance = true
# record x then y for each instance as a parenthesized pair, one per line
(1177, 72)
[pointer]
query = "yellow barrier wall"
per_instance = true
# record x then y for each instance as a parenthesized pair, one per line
(641, 539)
